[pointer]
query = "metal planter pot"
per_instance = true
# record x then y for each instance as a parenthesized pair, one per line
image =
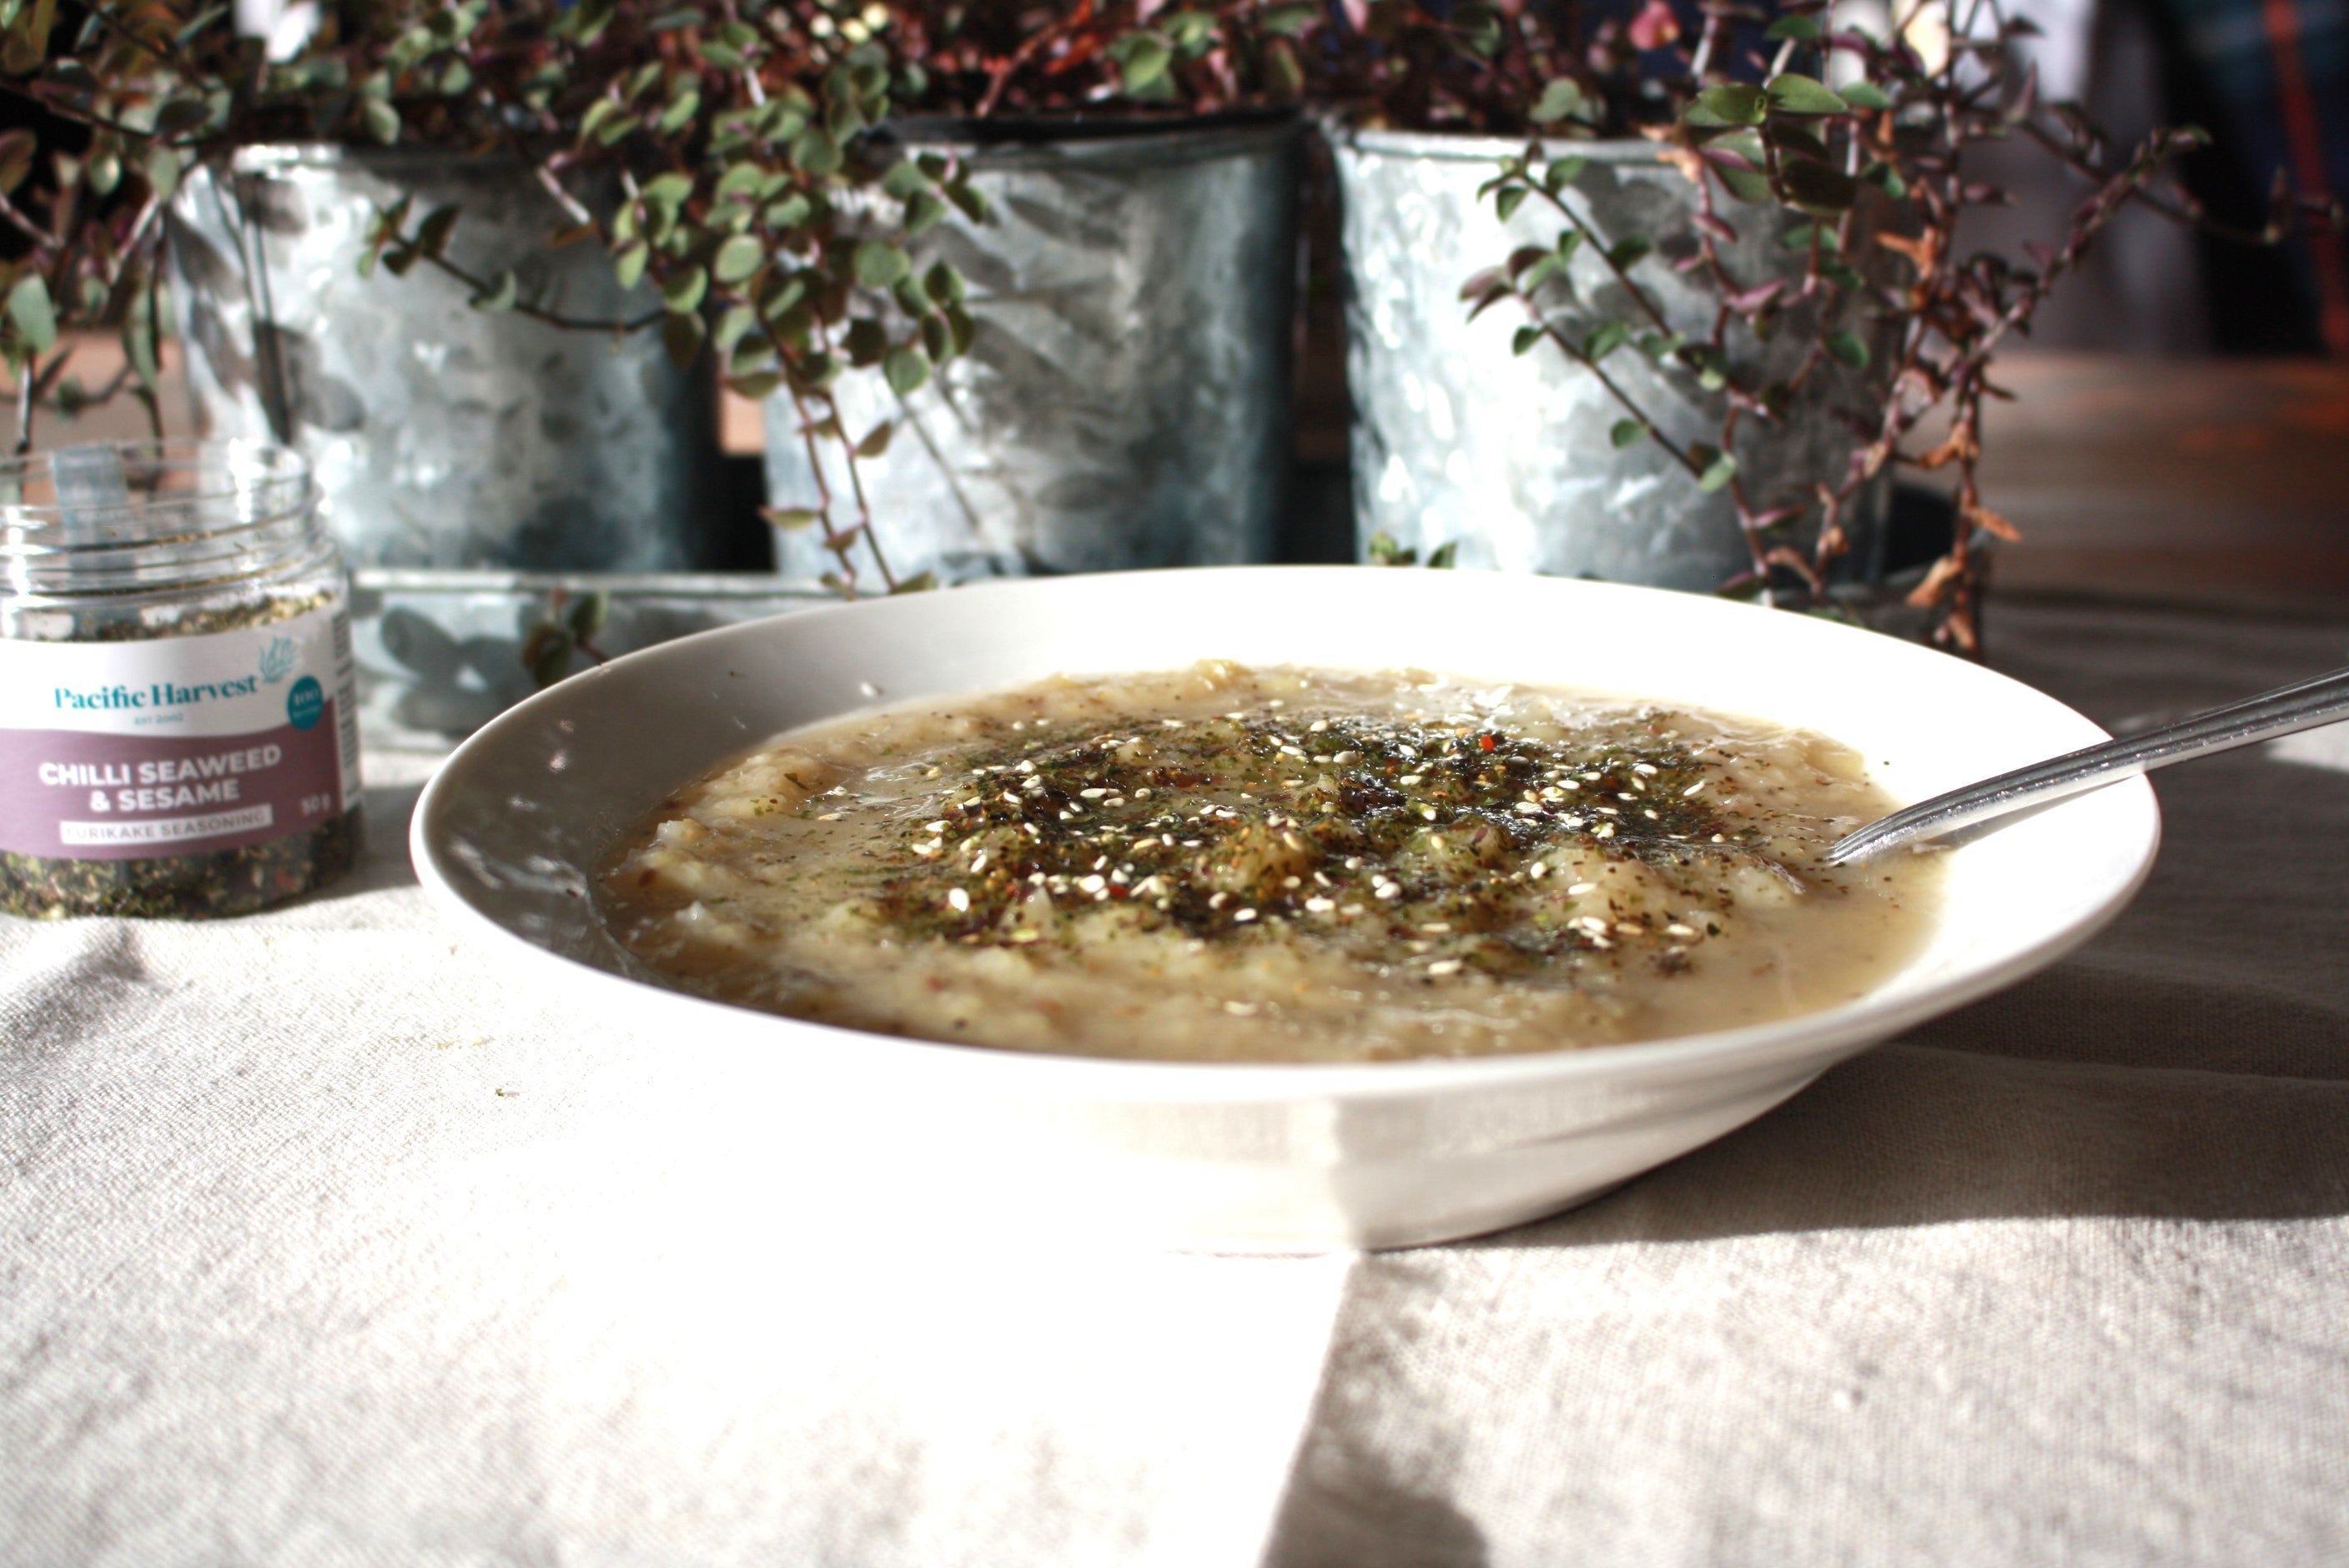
(440, 436)
(1457, 440)
(1126, 400)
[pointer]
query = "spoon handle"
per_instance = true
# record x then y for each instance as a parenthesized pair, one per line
(2304, 705)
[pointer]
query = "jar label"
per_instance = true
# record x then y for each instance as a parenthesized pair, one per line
(177, 746)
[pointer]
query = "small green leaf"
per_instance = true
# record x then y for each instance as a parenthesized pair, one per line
(877, 440)
(1563, 172)
(1444, 556)
(668, 189)
(1818, 189)
(866, 341)
(1791, 92)
(923, 211)
(791, 516)
(1141, 61)
(1607, 340)
(964, 329)
(433, 234)
(942, 284)
(1561, 98)
(1287, 21)
(1714, 467)
(1865, 95)
(380, 120)
(679, 112)
(30, 309)
(1729, 104)
(1626, 432)
(1886, 178)
(879, 264)
(758, 387)
(738, 258)
(1629, 251)
(1511, 197)
(17, 148)
(682, 293)
(816, 153)
(1523, 340)
(919, 583)
(682, 336)
(1802, 29)
(546, 655)
(499, 296)
(907, 369)
(589, 614)
(628, 262)
(970, 200)
(1849, 348)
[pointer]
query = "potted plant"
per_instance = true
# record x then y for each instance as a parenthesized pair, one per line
(1122, 399)
(697, 164)
(1671, 296)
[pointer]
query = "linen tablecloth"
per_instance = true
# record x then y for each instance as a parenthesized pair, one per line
(301, 1262)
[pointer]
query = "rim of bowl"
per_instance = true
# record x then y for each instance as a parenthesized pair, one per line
(1827, 1033)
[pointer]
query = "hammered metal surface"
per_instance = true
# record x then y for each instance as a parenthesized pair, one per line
(1126, 400)
(1457, 440)
(440, 436)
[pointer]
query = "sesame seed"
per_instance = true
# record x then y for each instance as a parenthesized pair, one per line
(1023, 934)
(1091, 883)
(1532, 809)
(1321, 905)
(1387, 889)
(1410, 778)
(1343, 758)
(1091, 794)
(1438, 927)
(1445, 966)
(978, 861)
(1652, 816)
(1677, 929)
(957, 899)
(1693, 788)
(1428, 812)
(1604, 830)
(1578, 889)
(1243, 917)
(1240, 1009)
(829, 817)
(1318, 726)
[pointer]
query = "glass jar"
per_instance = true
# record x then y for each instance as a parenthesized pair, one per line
(178, 728)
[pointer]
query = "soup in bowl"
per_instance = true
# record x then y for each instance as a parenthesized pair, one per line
(1265, 908)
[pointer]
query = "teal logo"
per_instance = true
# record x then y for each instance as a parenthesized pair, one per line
(278, 659)
(305, 704)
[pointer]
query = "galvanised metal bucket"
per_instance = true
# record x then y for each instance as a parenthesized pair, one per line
(440, 436)
(1126, 400)
(1458, 440)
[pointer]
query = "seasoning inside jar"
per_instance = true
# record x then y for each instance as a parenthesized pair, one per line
(178, 726)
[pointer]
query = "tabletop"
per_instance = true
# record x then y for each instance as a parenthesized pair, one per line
(309, 1255)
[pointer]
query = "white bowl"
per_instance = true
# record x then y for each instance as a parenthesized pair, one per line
(1268, 1158)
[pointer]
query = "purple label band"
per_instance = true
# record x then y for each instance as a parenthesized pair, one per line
(67, 794)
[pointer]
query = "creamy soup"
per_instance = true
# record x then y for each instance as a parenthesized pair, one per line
(1233, 864)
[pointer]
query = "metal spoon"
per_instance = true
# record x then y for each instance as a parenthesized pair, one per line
(2286, 710)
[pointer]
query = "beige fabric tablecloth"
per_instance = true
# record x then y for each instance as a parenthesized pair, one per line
(299, 1264)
